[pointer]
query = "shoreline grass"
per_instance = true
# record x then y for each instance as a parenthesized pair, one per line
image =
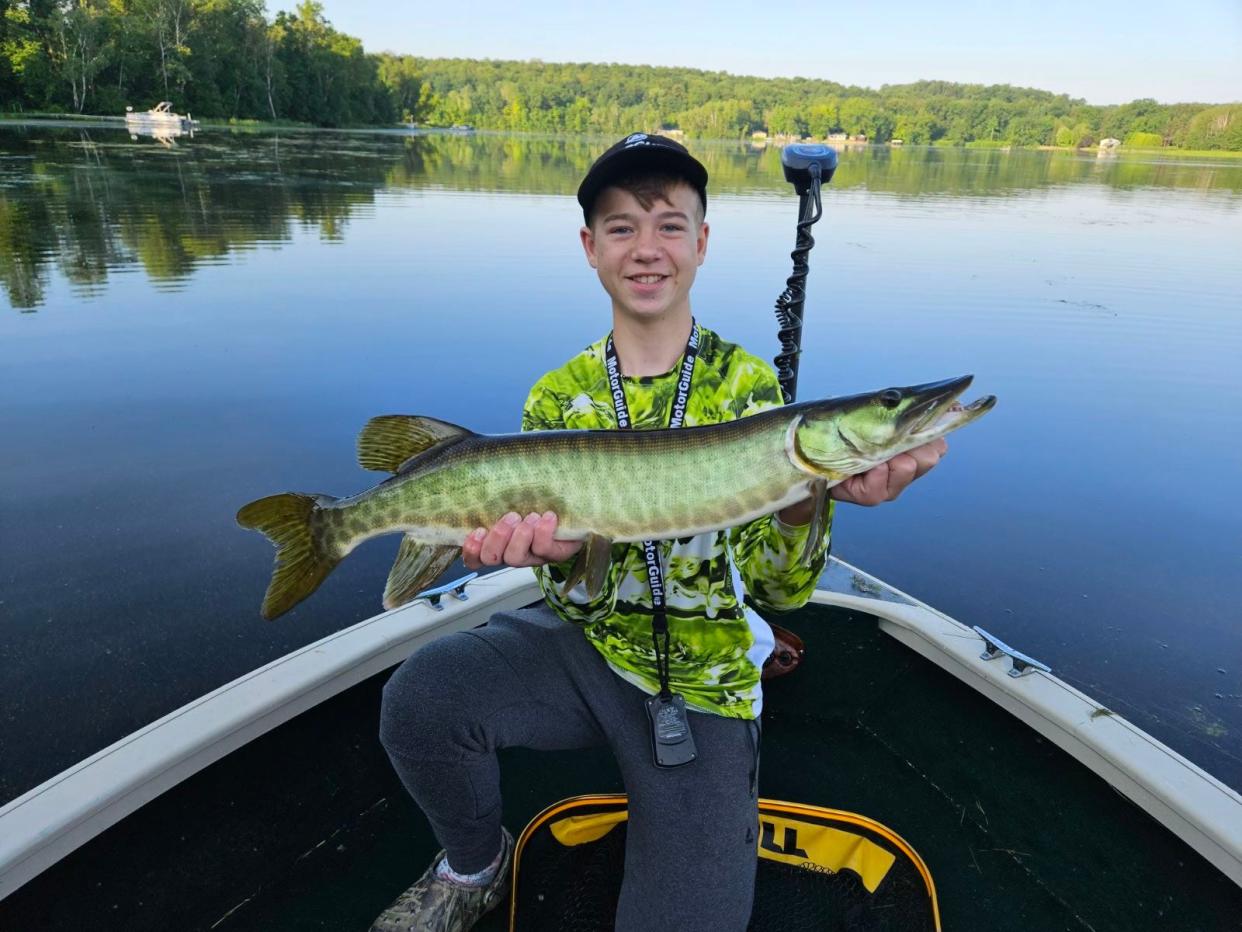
(232, 123)
(1122, 151)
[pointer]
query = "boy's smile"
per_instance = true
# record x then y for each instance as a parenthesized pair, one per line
(647, 258)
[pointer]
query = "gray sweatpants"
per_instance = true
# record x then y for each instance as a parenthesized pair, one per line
(529, 679)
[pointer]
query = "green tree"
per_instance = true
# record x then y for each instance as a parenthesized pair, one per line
(169, 23)
(327, 78)
(1216, 128)
(1030, 129)
(918, 128)
(787, 120)
(858, 115)
(1138, 116)
(77, 45)
(226, 75)
(824, 117)
(411, 97)
(719, 119)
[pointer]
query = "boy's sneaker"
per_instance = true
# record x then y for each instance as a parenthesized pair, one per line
(437, 904)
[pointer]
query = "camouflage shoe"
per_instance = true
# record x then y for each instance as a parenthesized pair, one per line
(436, 904)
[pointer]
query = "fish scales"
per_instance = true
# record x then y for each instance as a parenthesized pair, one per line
(682, 485)
(617, 485)
(620, 485)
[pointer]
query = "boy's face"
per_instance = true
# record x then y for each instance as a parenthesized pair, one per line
(647, 258)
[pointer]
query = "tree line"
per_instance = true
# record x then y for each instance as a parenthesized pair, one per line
(226, 59)
(220, 59)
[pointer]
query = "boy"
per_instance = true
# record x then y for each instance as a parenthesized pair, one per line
(578, 671)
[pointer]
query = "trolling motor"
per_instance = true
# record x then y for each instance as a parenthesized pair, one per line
(807, 167)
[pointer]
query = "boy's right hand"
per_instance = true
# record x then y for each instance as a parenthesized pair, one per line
(515, 541)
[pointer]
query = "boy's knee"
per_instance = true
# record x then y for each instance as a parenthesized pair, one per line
(419, 697)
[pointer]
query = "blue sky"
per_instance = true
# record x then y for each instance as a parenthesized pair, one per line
(1106, 51)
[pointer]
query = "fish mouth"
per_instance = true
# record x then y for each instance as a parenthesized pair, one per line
(938, 410)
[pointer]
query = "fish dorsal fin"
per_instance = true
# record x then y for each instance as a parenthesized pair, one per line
(388, 441)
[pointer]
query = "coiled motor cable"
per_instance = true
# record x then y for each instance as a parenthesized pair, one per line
(807, 167)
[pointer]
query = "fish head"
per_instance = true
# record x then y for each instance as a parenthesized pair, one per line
(842, 437)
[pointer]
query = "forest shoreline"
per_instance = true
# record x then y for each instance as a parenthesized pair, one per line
(250, 125)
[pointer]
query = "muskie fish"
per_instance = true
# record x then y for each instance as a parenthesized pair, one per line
(605, 486)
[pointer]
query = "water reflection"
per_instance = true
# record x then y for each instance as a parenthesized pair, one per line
(166, 136)
(88, 202)
(323, 278)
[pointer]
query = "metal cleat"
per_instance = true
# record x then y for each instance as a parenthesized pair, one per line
(1020, 663)
(456, 588)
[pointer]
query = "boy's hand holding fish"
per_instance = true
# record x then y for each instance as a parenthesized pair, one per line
(518, 541)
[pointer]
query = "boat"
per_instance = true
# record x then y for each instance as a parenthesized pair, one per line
(269, 804)
(159, 117)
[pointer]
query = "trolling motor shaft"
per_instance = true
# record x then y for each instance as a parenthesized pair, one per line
(807, 167)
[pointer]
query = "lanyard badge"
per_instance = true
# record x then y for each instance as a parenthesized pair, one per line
(672, 743)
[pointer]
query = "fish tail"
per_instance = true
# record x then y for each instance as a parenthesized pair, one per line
(301, 561)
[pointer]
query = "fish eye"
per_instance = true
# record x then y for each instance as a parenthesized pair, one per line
(890, 398)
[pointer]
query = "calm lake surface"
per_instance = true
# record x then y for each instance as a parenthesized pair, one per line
(186, 328)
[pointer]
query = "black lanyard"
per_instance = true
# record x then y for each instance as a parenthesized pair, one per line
(651, 552)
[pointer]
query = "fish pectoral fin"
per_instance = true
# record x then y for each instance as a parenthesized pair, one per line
(388, 441)
(819, 517)
(416, 567)
(591, 566)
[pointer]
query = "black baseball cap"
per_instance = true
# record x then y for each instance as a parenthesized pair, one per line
(643, 152)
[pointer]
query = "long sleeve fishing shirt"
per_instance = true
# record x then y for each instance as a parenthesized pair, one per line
(717, 644)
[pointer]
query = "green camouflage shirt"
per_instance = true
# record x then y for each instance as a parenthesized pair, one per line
(717, 646)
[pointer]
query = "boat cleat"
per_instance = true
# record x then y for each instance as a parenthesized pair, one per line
(456, 588)
(1020, 663)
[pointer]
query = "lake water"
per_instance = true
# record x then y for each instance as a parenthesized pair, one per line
(187, 328)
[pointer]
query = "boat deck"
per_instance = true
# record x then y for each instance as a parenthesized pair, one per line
(309, 829)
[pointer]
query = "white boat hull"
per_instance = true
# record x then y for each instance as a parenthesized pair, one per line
(44, 825)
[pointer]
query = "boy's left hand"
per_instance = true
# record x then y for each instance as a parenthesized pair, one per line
(885, 482)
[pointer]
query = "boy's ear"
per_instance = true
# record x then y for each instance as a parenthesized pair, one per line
(704, 230)
(588, 245)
